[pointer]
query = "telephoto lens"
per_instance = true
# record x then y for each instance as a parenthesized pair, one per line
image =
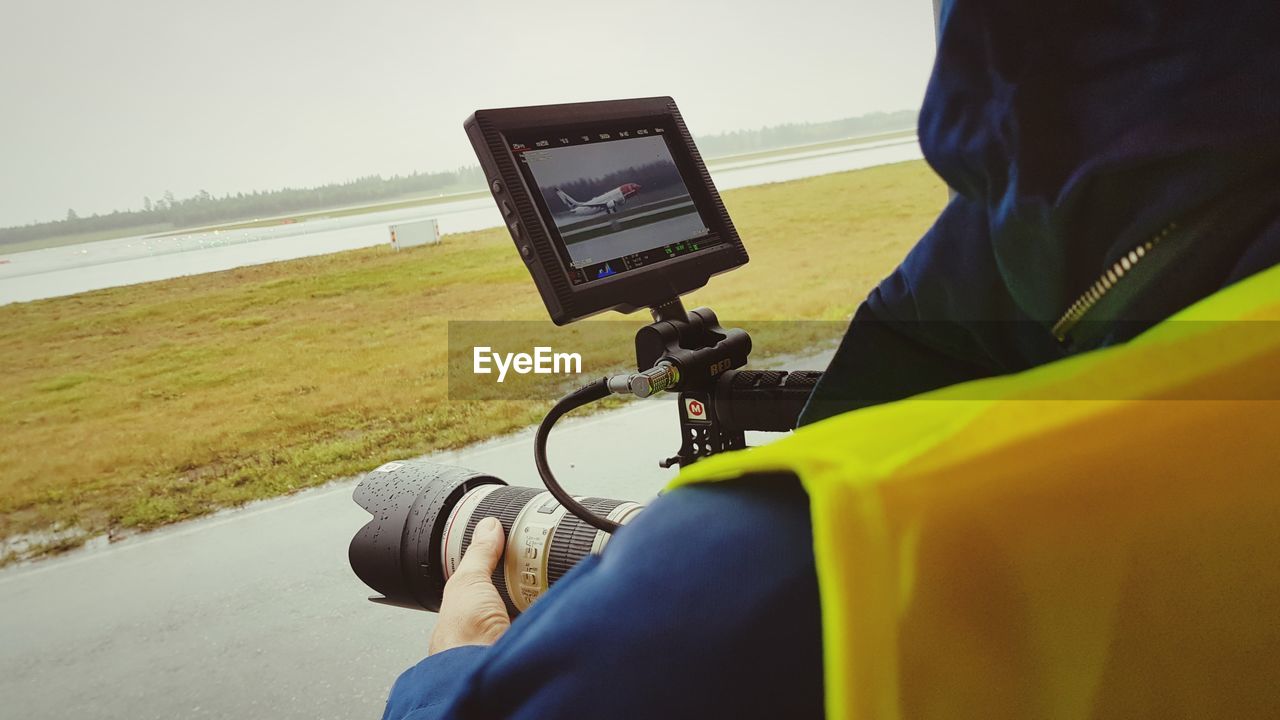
(424, 514)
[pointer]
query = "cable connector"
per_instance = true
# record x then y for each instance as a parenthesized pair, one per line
(659, 378)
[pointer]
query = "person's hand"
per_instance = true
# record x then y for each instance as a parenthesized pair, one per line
(472, 612)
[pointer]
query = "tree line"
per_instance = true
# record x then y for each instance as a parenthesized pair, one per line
(780, 136)
(204, 208)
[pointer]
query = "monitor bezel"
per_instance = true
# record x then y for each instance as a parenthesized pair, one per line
(492, 134)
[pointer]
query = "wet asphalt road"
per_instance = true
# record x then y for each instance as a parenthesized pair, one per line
(255, 613)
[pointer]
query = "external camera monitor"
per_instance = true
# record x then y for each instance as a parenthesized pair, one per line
(609, 203)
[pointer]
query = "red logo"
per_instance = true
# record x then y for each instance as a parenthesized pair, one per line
(695, 409)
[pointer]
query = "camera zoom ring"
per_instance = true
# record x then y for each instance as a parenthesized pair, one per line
(573, 538)
(505, 503)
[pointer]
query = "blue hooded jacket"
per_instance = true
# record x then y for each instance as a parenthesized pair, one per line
(1070, 132)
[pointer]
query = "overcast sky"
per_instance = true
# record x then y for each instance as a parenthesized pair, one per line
(105, 102)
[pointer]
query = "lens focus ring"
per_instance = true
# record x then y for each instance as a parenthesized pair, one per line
(505, 503)
(574, 538)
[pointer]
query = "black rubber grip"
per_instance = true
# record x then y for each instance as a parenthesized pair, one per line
(505, 503)
(573, 538)
(767, 400)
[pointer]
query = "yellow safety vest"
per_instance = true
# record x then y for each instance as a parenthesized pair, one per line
(1098, 537)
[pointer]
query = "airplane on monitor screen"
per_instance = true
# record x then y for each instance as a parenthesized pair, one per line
(606, 202)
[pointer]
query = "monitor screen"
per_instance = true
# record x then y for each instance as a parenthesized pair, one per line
(608, 203)
(616, 198)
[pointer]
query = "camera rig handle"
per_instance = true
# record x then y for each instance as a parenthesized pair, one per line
(768, 400)
(697, 351)
(689, 353)
(694, 343)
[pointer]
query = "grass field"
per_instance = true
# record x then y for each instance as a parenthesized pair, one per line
(133, 407)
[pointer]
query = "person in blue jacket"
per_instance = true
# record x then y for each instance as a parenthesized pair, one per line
(1081, 140)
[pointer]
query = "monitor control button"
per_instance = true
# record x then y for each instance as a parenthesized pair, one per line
(514, 226)
(507, 209)
(526, 252)
(497, 187)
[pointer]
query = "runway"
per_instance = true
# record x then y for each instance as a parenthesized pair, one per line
(634, 239)
(71, 269)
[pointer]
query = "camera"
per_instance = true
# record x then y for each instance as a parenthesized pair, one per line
(610, 207)
(424, 514)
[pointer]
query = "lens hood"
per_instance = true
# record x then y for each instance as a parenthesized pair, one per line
(397, 553)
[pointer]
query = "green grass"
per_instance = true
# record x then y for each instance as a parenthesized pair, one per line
(138, 406)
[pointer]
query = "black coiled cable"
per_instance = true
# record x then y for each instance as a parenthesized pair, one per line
(597, 390)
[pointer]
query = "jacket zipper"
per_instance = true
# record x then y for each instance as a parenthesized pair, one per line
(1114, 274)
